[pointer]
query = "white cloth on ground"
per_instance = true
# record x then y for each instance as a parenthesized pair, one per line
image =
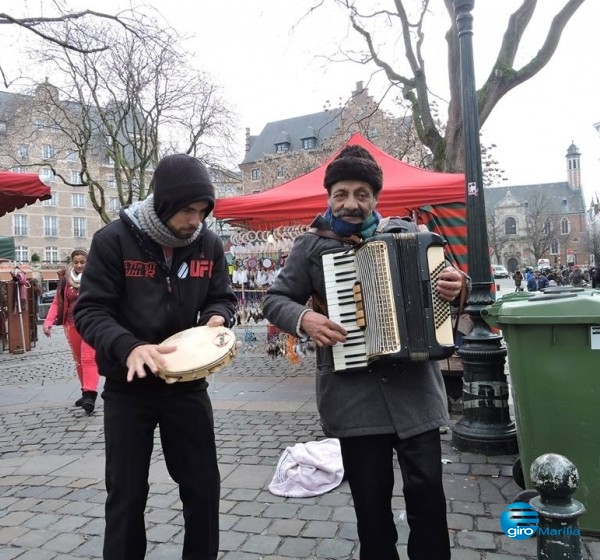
(308, 469)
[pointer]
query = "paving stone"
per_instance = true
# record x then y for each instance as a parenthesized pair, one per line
(261, 544)
(296, 547)
(286, 527)
(476, 539)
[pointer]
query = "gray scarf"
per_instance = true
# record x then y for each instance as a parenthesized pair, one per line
(144, 215)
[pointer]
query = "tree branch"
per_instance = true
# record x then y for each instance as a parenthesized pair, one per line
(504, 77)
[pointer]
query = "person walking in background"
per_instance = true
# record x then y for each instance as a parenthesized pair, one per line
(157, 271)
(376, 410)
(61, 313)
(518, 278)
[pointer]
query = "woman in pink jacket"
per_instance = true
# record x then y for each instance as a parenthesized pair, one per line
(61, 313)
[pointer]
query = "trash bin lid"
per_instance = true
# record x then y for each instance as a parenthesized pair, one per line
(581, 306)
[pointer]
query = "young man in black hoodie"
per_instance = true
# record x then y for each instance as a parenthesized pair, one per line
(155, 272)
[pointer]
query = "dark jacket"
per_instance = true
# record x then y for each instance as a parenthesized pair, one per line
(407, 400)
(537, 284)
(129, 296)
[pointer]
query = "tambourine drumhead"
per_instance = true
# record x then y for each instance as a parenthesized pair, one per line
(200, 352)
(267, 263)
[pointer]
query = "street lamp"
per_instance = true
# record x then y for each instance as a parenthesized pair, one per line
(486, 426)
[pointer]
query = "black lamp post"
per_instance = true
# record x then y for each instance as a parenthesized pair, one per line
(486, 426)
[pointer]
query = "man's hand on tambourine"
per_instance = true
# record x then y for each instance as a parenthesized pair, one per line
(216, 321)
(323, 331)
(149, 355)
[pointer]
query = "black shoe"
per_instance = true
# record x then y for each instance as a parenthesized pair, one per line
(89, 401)
(79, 401)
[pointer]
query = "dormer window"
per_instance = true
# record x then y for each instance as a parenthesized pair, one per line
(309, 143)
(282, 147)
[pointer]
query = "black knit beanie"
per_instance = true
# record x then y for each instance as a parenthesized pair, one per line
(354, 163)
(180, 180)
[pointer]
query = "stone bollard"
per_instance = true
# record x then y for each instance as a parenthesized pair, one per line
(556, 479)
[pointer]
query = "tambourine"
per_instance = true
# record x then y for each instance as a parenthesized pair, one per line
(200, 352)
(267, 263)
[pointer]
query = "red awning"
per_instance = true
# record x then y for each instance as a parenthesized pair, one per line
(20, 189)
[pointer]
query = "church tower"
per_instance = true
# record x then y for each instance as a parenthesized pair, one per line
(573, 167)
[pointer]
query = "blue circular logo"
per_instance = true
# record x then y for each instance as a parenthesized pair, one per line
(519, 521)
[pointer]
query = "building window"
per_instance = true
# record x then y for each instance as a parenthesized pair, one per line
(76, 178)
(20, 224)
(21, 253)
(554, 247)
(308, 143)
(547, 227)
(39, 124)
(19, 169)
(48, 175)
(280, 171)
(51, 201)
(255, 174)
(78, 200)
(50, 226)
(113, 204)
(23, 151)
(111, 182)
(282, 148)
(2, 127)
(510, 226)
(72, 155)
(564, 226)
(51, 254)
(106, 159)
(48, 151)
(79, 227)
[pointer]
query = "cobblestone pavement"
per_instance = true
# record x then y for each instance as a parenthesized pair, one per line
(51, 472)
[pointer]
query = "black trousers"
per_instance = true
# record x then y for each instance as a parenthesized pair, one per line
(185, 419)
(368, 465)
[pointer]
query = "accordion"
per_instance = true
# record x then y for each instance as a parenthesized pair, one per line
(383, 292)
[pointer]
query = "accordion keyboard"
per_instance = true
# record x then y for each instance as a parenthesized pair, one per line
(340, 277)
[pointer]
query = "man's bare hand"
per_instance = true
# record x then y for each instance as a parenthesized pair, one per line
(323, 331)
(449, 283)
(216, 321)
(149, 355)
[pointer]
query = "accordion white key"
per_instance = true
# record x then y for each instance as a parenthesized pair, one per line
(383, 292)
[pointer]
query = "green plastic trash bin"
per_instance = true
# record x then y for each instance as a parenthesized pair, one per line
(553, 346)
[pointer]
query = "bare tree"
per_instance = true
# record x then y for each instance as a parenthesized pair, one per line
(51, 29)
(497, 237)
(404, 23)
(127, 106)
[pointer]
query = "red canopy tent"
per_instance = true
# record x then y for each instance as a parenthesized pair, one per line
(435, 199)
(20, 189)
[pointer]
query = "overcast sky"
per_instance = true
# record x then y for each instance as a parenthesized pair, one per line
(266, 57)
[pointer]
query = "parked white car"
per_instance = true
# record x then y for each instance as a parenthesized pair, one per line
(499, 271)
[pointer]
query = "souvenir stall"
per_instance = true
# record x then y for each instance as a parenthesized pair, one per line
(257, 258)
(18, 297)
(272, 219)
